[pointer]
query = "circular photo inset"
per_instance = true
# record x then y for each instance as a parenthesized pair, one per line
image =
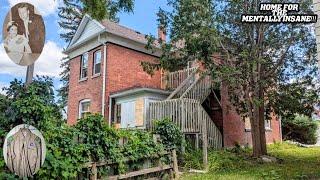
(23, 34)
(24, 150)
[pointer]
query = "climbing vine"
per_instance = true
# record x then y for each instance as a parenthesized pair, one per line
(170, 135)
(70, 147)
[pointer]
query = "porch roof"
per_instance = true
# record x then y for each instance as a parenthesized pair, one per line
(138, 90)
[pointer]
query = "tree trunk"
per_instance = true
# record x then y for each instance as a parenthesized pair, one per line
(258, 129)
(262, 124)
(255, 134)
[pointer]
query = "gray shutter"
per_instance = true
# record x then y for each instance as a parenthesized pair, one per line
(128, 114)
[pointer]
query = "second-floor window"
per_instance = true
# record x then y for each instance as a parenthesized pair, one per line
(97, 62)
(84, 66)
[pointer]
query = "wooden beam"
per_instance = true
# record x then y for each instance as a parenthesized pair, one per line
(141, 172)
(204, 141)
(94, 172)
(216, 97)
(175, 164)
(181, 85)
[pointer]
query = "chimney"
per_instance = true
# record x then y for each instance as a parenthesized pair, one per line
(162, 33)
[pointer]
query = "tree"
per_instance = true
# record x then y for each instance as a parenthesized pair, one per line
(29, 105)
(300, 128)
(256, 62)
(70, 15)
(264, 59)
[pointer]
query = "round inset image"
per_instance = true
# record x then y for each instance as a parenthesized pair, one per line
(24, 150)
(23, 34)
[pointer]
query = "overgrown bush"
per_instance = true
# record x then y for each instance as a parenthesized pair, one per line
(170, 135)
(69, 147)
(301, 129)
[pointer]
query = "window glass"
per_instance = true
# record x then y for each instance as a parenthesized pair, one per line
(84, 108)
(97, 62)
(84, 66)
(118, 113)
(267, 124)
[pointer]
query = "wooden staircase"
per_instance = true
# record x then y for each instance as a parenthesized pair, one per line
(184, 108)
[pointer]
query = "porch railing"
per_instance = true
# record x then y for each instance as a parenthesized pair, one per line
(174, 79)
(188, 115)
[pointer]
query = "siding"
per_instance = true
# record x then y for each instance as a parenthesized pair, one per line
(90, 29)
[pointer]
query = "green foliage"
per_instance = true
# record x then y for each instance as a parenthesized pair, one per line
(301, 129)
(170, 135)
(256, 60)
(64, 158)
(69, 147)
(193, 36)
(193, 159)
(93, 132)
(32, 104)
(295, 98)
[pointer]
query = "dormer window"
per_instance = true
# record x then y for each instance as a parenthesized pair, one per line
(84, 66)
(97, 62)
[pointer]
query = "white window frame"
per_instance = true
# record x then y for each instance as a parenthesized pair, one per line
(80, 107)
(95, 63)
(82, 65)
(267, 124)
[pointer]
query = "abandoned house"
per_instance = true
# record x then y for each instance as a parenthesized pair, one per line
(106, 77)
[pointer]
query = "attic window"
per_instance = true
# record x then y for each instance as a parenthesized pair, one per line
(84, 66)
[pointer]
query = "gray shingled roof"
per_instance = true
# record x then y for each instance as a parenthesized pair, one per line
(124, 32)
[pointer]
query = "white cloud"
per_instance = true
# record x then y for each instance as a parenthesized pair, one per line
(2, 85)
(48, 63)
(46, 7)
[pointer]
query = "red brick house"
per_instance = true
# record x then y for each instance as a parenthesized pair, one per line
(106, 77)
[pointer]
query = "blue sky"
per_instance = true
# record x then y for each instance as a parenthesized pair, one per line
(143, 20)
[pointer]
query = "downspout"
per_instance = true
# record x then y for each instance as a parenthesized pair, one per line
(104, 75)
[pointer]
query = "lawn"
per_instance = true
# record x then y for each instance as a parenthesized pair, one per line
(295, 163)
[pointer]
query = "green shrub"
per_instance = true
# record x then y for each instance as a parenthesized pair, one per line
(301, 129)
(69, 147)
(171, 136)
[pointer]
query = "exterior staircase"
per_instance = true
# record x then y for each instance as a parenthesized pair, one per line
(183, 106)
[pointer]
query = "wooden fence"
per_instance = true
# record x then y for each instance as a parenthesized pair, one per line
(171, 167)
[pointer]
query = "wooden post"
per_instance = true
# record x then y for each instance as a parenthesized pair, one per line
(197, 141)
(29, 75)
(94, 172)
(205, 140)
(175, 164)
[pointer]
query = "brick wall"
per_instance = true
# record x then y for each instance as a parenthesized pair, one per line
(123, 71)
(234, 126)
(91, 88)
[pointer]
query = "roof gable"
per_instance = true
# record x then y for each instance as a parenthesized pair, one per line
(88, 27)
